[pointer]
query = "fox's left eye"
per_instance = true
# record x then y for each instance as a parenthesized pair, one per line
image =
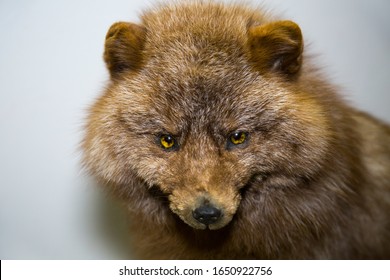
(167, 141)
(237, 138)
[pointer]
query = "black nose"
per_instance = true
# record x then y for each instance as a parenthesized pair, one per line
(206, 214)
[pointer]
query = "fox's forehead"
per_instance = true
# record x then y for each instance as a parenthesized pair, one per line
(201, 102)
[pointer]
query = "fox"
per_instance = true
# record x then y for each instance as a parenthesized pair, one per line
(224, 140)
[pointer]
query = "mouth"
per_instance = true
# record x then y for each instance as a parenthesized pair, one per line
(200, 224)
(206, 210)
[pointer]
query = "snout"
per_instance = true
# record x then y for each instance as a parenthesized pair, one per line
(205, 210)
(207, 214)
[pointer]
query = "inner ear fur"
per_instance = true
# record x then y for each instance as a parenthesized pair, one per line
(276, 46)
(123, 47)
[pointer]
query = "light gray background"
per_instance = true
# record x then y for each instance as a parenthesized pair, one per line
(51, 69)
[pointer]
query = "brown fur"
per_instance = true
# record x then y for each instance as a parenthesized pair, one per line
(312, 179)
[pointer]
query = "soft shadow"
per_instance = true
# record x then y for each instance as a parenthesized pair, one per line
(111, 222)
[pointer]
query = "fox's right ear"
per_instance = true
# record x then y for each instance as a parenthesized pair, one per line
(123, 47)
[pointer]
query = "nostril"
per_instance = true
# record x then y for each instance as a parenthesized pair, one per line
(206, 214)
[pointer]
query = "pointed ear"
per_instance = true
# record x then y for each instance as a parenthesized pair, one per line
(276, 46)
(123, 47)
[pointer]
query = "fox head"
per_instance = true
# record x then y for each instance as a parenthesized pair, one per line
(203, 109)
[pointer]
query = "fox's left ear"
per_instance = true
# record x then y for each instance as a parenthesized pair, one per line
(276, 46)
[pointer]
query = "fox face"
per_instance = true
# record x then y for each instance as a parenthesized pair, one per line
(202, 121)
(202, 140)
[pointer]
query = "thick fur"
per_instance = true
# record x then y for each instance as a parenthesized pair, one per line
(311, 180)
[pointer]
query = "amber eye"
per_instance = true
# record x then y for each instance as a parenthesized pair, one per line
(167, 141)
(238, 138)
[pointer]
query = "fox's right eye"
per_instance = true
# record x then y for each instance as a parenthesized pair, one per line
(238, 138)
(167, 141)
